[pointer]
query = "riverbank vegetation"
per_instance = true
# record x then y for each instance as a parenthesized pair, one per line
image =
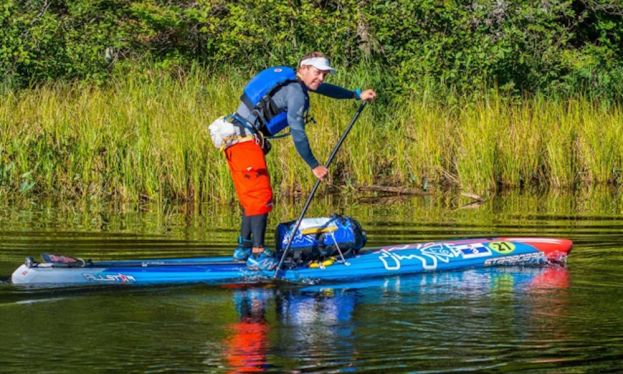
(110, 99)
(145, 137)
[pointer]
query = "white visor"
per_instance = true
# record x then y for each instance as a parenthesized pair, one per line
(320, 63)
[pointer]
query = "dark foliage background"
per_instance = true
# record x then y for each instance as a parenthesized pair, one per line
(552, 46)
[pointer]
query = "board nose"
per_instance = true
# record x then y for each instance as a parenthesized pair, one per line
(553, 248)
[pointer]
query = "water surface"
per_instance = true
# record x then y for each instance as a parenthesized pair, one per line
(552, 319)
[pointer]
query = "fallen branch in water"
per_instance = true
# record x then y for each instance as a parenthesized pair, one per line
(393, 190)
(413, 191)
(473, 196)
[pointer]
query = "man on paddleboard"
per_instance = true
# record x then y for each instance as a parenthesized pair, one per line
(274, 99)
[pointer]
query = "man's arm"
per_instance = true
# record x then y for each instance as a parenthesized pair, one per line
(296, 121)
(336, 92)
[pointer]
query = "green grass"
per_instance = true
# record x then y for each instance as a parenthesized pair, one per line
(143, 137)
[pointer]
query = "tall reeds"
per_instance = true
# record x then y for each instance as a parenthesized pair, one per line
(144, 137)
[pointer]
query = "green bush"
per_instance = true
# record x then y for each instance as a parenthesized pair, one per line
(556, 46)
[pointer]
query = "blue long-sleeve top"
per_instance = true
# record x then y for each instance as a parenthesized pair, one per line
(295, 99)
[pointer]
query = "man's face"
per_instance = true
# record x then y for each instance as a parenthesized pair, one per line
(312, 77)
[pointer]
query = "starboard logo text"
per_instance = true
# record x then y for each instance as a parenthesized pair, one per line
(109, 278)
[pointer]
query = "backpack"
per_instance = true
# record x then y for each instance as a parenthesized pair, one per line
(319, 238)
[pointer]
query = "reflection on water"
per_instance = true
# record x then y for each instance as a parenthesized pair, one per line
(247, 345)
(319, 320)
(560, 319)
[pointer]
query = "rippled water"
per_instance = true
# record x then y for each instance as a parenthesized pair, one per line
(552, 319)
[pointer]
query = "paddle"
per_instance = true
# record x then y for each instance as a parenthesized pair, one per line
(80, 263)
(317, 184)
(76, 262)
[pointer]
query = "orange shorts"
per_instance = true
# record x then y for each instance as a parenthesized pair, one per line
(247, 167)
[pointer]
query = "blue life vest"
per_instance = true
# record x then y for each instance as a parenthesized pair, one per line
(258, 97)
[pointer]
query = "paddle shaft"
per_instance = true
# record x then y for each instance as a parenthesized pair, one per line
(140, 264)
(317, 184)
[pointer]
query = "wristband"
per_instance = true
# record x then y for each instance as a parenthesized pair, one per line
(357, 93)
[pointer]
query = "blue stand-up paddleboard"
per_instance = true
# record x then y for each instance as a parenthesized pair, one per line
(62, 271)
